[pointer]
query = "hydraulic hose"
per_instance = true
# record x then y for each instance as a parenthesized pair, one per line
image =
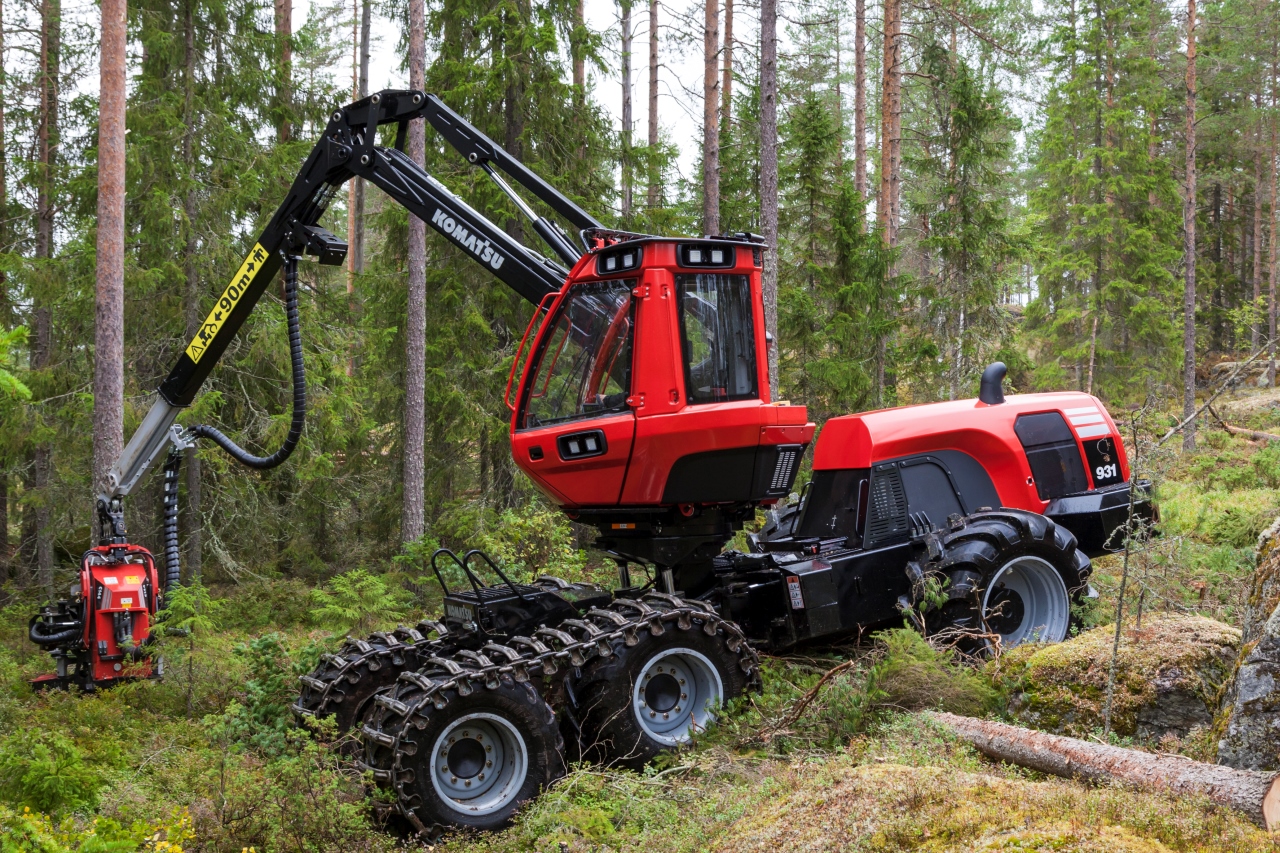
(172, 553)
(53, 638)
(238, 453)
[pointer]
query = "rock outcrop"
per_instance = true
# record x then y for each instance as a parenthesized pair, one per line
(1250, 720)
(1169, 677)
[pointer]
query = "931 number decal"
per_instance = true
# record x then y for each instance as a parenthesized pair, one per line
(1104, 462)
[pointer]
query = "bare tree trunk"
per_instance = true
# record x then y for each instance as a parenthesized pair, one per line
(769, 178)
(351, 186)
(1271, 275)
(655, 179)
(1254, 793)
(108, 315)
(357, 185)
(860, 97)
(891, 124)
(626, 110)
(284, 92)
(726, 87)
(576, 48)
(711, 119)
(194, 557)
(413, 515)
(5, 548)
(1189, 243)
(42, 351)
(1256, 332)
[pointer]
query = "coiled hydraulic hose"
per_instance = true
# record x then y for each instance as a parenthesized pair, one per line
(172, 553)
(53, 638)
(237, 452)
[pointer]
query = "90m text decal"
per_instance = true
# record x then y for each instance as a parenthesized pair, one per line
(228, 301)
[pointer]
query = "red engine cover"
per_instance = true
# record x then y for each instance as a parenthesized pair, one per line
(984, 432)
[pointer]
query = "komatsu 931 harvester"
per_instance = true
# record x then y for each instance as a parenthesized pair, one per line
(640, 406)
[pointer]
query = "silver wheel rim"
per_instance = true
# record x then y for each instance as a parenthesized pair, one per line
(479, 763)
(676, 694)
(1027, 601)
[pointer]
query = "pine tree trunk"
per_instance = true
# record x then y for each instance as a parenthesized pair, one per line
(6, 552)
(1271, 274)
(358, 185)
(891, 123)
(1189, 243)
(351, 185)
(860, 97)
(578, 51)
(711, 119)
(413, 515)
(108, 324)
(194, 557)
(626, 111)
(1255, 336)
(769, 178)
(42, 350)
(726, 86)
(284, 91)
(1254, 793)
(655, 178)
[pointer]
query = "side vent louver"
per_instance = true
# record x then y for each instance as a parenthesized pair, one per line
(785, 471)
(887, 518)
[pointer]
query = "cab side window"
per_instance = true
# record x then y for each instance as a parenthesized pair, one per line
(719, 341)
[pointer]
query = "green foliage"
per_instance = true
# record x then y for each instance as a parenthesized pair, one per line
(356, 601)
(45, 771)
(32, 832)
(915, 675)
(261, 720)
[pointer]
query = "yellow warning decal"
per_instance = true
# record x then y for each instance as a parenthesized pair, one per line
(230, 297)
(134, 579)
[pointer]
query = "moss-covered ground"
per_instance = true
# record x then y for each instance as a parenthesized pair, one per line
(208, 759)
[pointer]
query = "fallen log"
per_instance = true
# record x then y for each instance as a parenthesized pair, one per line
(1253, 793)
(1253, 434)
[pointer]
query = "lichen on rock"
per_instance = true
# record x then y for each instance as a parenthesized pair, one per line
(1169, 675)
(1249, 722)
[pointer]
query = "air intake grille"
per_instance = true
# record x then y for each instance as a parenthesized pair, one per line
(887, 518)
(784, 471)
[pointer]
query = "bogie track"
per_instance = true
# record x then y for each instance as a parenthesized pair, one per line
(418, 774)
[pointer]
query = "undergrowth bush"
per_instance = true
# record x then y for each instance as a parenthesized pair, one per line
(46, 772)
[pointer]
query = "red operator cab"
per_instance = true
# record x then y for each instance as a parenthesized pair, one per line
(647, 383)
(643, 403)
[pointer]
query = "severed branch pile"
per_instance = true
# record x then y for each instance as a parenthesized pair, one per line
(1255, 794)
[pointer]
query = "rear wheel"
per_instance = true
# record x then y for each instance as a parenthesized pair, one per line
(457, 752)
(344, 684)
(1010, 577)
(662, 690)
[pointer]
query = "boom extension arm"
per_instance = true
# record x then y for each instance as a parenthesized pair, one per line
(347, 149)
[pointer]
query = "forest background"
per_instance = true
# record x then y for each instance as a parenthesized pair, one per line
(951, 183)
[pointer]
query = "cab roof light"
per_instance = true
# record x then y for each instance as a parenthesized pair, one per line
(706, 255)
(619, 260)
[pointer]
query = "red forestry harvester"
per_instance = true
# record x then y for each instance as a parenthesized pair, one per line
(640, 406)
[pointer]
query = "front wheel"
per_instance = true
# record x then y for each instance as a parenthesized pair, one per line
(1009, 578)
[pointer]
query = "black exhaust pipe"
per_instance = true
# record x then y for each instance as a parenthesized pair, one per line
(991, 391)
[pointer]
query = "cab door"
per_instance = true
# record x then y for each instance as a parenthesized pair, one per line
(573, 427)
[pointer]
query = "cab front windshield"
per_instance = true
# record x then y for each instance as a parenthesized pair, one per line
(584, 368)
